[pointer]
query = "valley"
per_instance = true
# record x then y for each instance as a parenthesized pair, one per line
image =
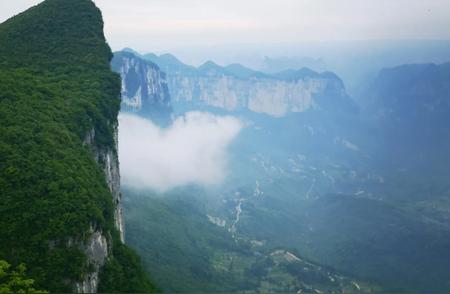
(280, 147)
(307, 206)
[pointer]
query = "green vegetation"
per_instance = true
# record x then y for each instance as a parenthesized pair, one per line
(16, 281)
(56, 86)
(177, 243)
(124, 273)
(326, 205)
(185, 252)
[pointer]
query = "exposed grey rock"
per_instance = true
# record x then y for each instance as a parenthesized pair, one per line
(236, 87)
(109, 161)
(144, 87)
(270, 96)
(96, 247)
(96, 250)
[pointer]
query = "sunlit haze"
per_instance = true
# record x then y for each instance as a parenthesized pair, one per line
(162, 25)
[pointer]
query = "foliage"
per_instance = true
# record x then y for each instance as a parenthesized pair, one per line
(56, 86)
(185, 252)
(124, 273)
(178, 244)
(16, 281)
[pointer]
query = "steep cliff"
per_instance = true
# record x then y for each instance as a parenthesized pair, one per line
(59, 172)
(410, 92)
(96, 246)
(407, 107)
(235, 87)
(144, 87)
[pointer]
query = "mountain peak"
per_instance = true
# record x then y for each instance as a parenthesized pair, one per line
(130, 50)
(169, 58)
(208, 65)
(167, 62)
(150, 56)
(59, 31)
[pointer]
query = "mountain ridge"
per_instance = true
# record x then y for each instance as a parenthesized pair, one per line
(169, 62)
(236, 87)
(59, 173)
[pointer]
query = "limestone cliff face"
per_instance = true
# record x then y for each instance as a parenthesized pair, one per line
(144, 86)
(235, 87)
(145, 89)
(97, 250)
(97, 247)
(263, 95)
(108, 159)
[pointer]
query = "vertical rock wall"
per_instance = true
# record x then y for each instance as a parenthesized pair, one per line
(96, 247)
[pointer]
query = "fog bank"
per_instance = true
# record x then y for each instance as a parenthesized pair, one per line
(191, 151)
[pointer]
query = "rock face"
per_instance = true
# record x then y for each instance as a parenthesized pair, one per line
(107, 158)
(261, 95)
(111, 169)
(96, 247)
(238, 88)
(96, 250)
(144, 86)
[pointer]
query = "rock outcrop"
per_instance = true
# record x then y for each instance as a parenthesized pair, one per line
(144, 87)
(238, 88)
(96, 247)
(97, 250)
(262, 95)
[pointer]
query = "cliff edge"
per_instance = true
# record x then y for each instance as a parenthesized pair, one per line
(59, 171)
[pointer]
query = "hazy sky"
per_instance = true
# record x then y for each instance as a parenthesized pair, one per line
(161, 25)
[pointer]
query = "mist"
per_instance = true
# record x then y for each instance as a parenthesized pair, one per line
(193, 150)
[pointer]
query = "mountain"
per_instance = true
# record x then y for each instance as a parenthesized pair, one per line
(169, 63)
(61, 211)
(411, 92)
(236, 87)
(274, 65)
(407, 107)
(144, 87)
(310, 196)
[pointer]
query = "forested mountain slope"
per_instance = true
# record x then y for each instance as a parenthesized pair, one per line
(59, 179)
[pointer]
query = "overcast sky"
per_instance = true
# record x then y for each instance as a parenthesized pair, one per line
(161, 25)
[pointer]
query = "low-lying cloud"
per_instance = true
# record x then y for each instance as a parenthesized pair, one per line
(191, 151)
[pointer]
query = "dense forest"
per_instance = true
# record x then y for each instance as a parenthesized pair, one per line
(56, 85)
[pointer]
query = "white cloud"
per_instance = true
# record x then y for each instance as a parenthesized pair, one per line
(191, 151)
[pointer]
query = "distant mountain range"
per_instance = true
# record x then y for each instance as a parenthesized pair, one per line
(170, 63)
(235, 87)
(363, 192)
(274, 65)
